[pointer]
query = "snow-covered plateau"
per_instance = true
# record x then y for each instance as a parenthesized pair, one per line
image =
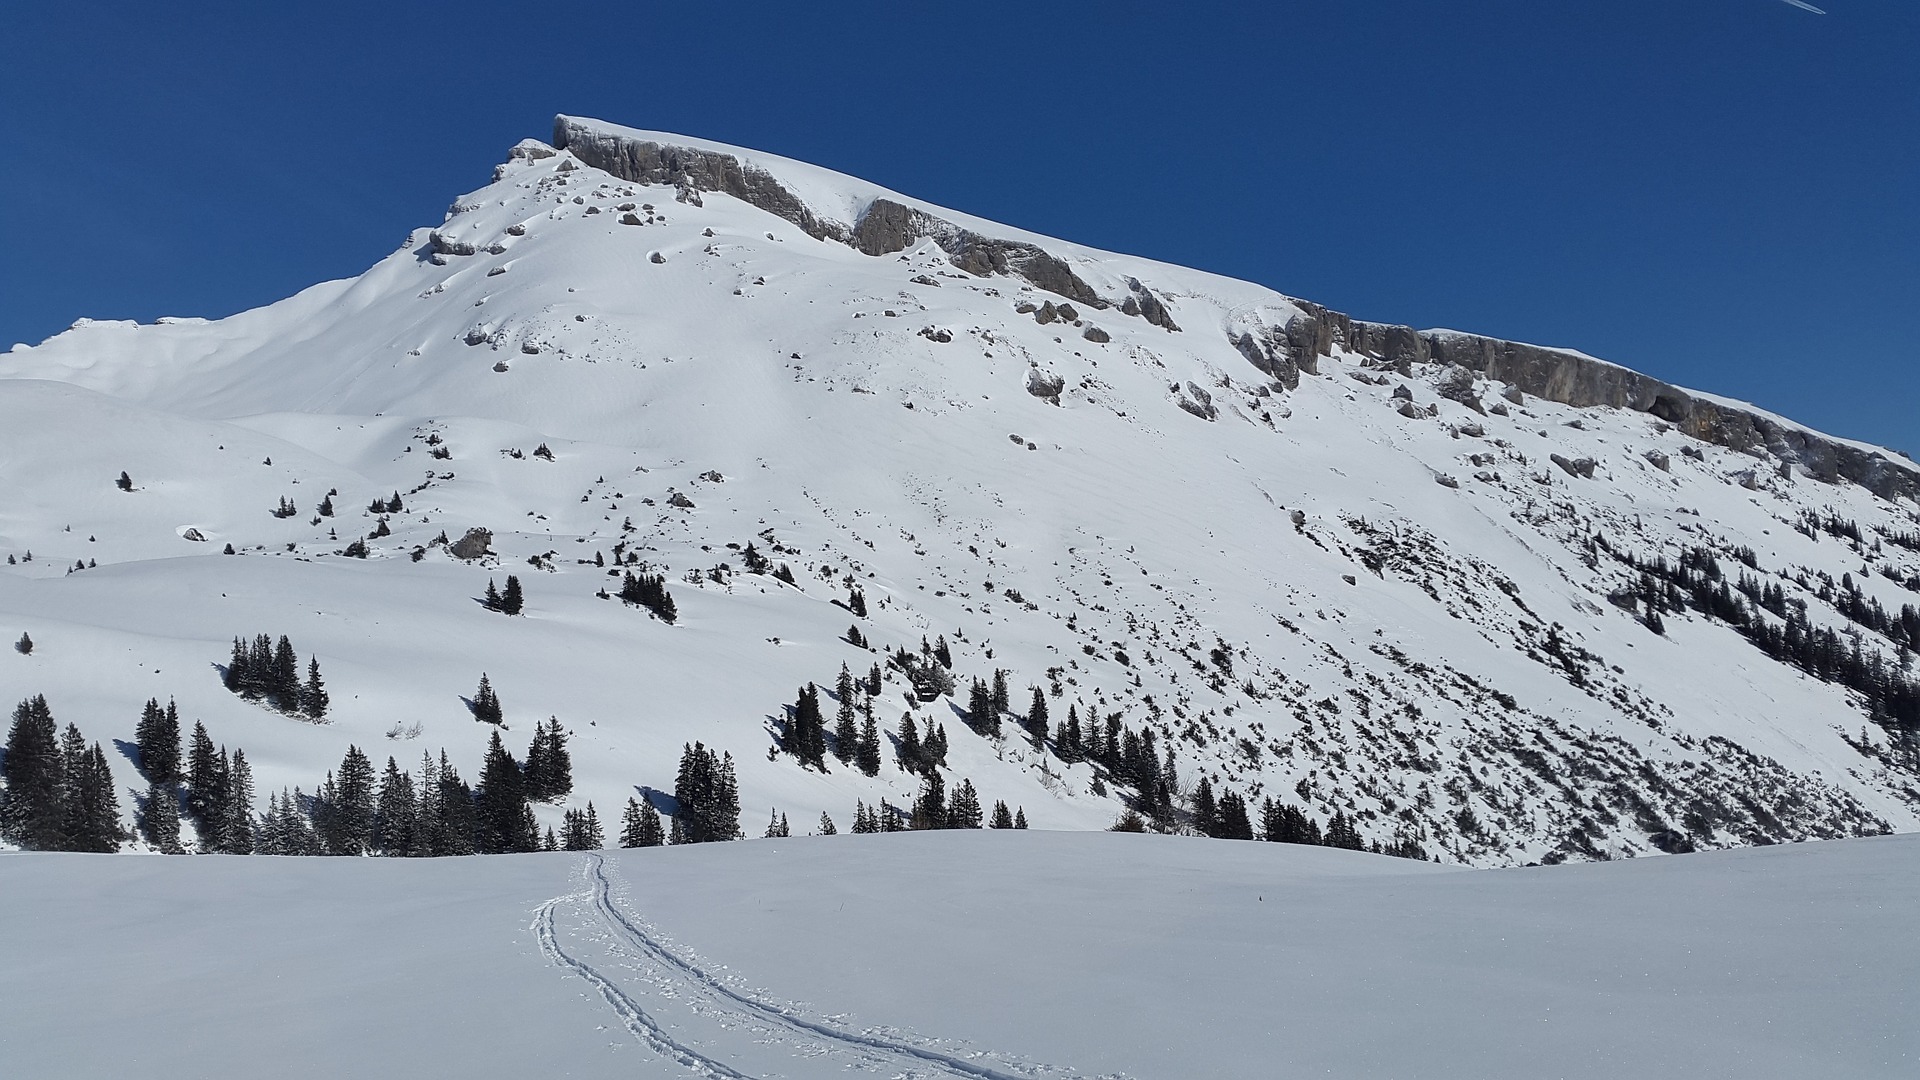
(1023, 955)
(1493, 603)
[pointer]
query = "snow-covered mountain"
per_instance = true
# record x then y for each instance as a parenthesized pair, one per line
(1504, 602)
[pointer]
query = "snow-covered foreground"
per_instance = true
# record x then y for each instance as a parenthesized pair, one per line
(963, 954)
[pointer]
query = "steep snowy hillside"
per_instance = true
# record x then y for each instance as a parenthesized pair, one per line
(1491, 602)
(993, 955)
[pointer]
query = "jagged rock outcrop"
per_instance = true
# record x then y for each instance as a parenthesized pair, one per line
(1571, 378)
(887, 226)
(691, 171)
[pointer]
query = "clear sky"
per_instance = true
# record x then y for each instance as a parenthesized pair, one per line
(1722, 193)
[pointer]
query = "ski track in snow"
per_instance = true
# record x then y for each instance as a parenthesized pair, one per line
(875, 1052)
(636, 1019)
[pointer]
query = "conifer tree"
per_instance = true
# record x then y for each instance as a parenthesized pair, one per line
(1020, 818)
(863, 819)
(908, 754)
(1002, 817)
(980, 707)
(491, 599)
(1233, 823)
(641, 827)
(930, 808)
(286, 677)
(201, 770)
(236, 832)
(395, 812)
(873, 681)
(776, 825)
(158, 737)
(1206, 814)
(548, 844)
(891, 819)
(826, 825)
(502, 803)
(964, 811)
(512, 600)
(1002, 699)
(933, 748)
(486, 704)
(707, 797)
(866, 753)
(314, 699)
(1036, 721)
(456, 821)
(943, 654)
(846, 736)
(25, 645)
(160, 822)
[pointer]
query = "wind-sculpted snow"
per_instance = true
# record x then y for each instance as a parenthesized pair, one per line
(1492, 603)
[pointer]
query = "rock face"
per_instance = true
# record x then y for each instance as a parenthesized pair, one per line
(884, 227)
(1575, 379)
(691, 171)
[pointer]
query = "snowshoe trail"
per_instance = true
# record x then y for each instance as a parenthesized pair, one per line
(681, 983)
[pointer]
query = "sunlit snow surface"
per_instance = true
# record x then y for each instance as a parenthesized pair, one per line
(1034, 954)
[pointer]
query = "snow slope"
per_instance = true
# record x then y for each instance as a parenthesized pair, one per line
(894, 422)
(939, 954)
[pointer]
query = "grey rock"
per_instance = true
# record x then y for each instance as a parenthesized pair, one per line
(516, 230)
(1498, 408)
(631, 219)
(1151, 309)
(1046, 313)
(476, 543)
(680, 500)
(1068, 314)
(1580, 467)
(443, 246)
(1411, 411)
(656, 258)
(194, 535)
(1658, 460)
(1045, 386)
(1445, 481)
(1025, 307)
(1096, 335)
(1403, 392)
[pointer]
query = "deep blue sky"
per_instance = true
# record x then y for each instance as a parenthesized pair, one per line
(1724, 193)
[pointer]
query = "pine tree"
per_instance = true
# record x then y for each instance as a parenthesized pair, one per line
(943, 654)
(512, 600)
(502, 809)
(1020, 818)
(873, 680)
(641, 826)
(1002, 699)
(707, 797)
(980, 707)
(1206, 815)
(548, 844)
(158, 737)
(933, 748)
(1036, 722)
(908, 753)
(826, 825)
(286, 677)
(314, 699)
(930, 808)
(596, 838)
(201, 768)
(863, 819)
(964, 811)
(486, 704)
(866, 753)
(395, 812)
(776, 825)
(1233, 817)
(25, 645)
(1002, 817)
(857, 603)
(846, 736)
(456, 817)
(558, 781)
(125, 483)
(237, 829)
(160, 822)
(491, 600)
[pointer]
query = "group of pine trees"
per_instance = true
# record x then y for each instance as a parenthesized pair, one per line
(59, 794)
(706, 797)
(855, 739)
(262, 670)
(1697, 582)
(508, 602)
(648, 591)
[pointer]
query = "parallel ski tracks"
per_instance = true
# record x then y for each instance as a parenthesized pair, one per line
(873, 1051)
